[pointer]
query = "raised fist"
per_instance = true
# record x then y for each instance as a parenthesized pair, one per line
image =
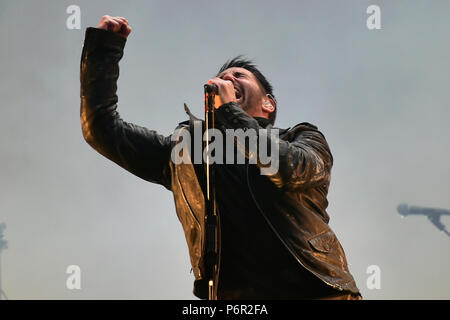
(118, 25)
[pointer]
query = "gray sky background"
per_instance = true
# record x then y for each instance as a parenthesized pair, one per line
(380, 97)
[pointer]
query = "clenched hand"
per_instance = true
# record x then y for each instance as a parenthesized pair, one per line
(118, 25)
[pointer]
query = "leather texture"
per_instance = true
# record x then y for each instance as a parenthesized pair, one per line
(293, 201)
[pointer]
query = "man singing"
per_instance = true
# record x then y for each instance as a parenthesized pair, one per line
(274, 241)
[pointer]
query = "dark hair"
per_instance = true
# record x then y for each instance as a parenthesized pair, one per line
(241, 62)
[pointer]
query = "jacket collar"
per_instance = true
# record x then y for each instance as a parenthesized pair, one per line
(263, 122)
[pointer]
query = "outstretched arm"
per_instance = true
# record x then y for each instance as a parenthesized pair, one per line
(141, 151)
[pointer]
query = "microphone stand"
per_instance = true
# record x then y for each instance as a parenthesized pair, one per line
(211, 218)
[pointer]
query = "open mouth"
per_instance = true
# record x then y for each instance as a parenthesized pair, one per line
(238, 95)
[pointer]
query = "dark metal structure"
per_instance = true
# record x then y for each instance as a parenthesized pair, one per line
(433, 214)
(211, 218)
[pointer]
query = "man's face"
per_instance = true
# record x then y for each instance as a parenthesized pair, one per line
(249, 92)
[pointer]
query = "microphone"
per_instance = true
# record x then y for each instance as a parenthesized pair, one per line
(209, 88)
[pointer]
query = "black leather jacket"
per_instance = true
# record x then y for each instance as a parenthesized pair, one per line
(293, 201)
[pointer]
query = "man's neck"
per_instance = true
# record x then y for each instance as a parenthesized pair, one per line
(263, 122)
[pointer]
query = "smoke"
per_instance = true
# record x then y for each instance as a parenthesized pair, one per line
(3, 242)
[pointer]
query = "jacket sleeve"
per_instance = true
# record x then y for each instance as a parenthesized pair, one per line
(304, 158)
(141, 151)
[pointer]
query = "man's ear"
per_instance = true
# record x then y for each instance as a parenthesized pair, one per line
(268, 104)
